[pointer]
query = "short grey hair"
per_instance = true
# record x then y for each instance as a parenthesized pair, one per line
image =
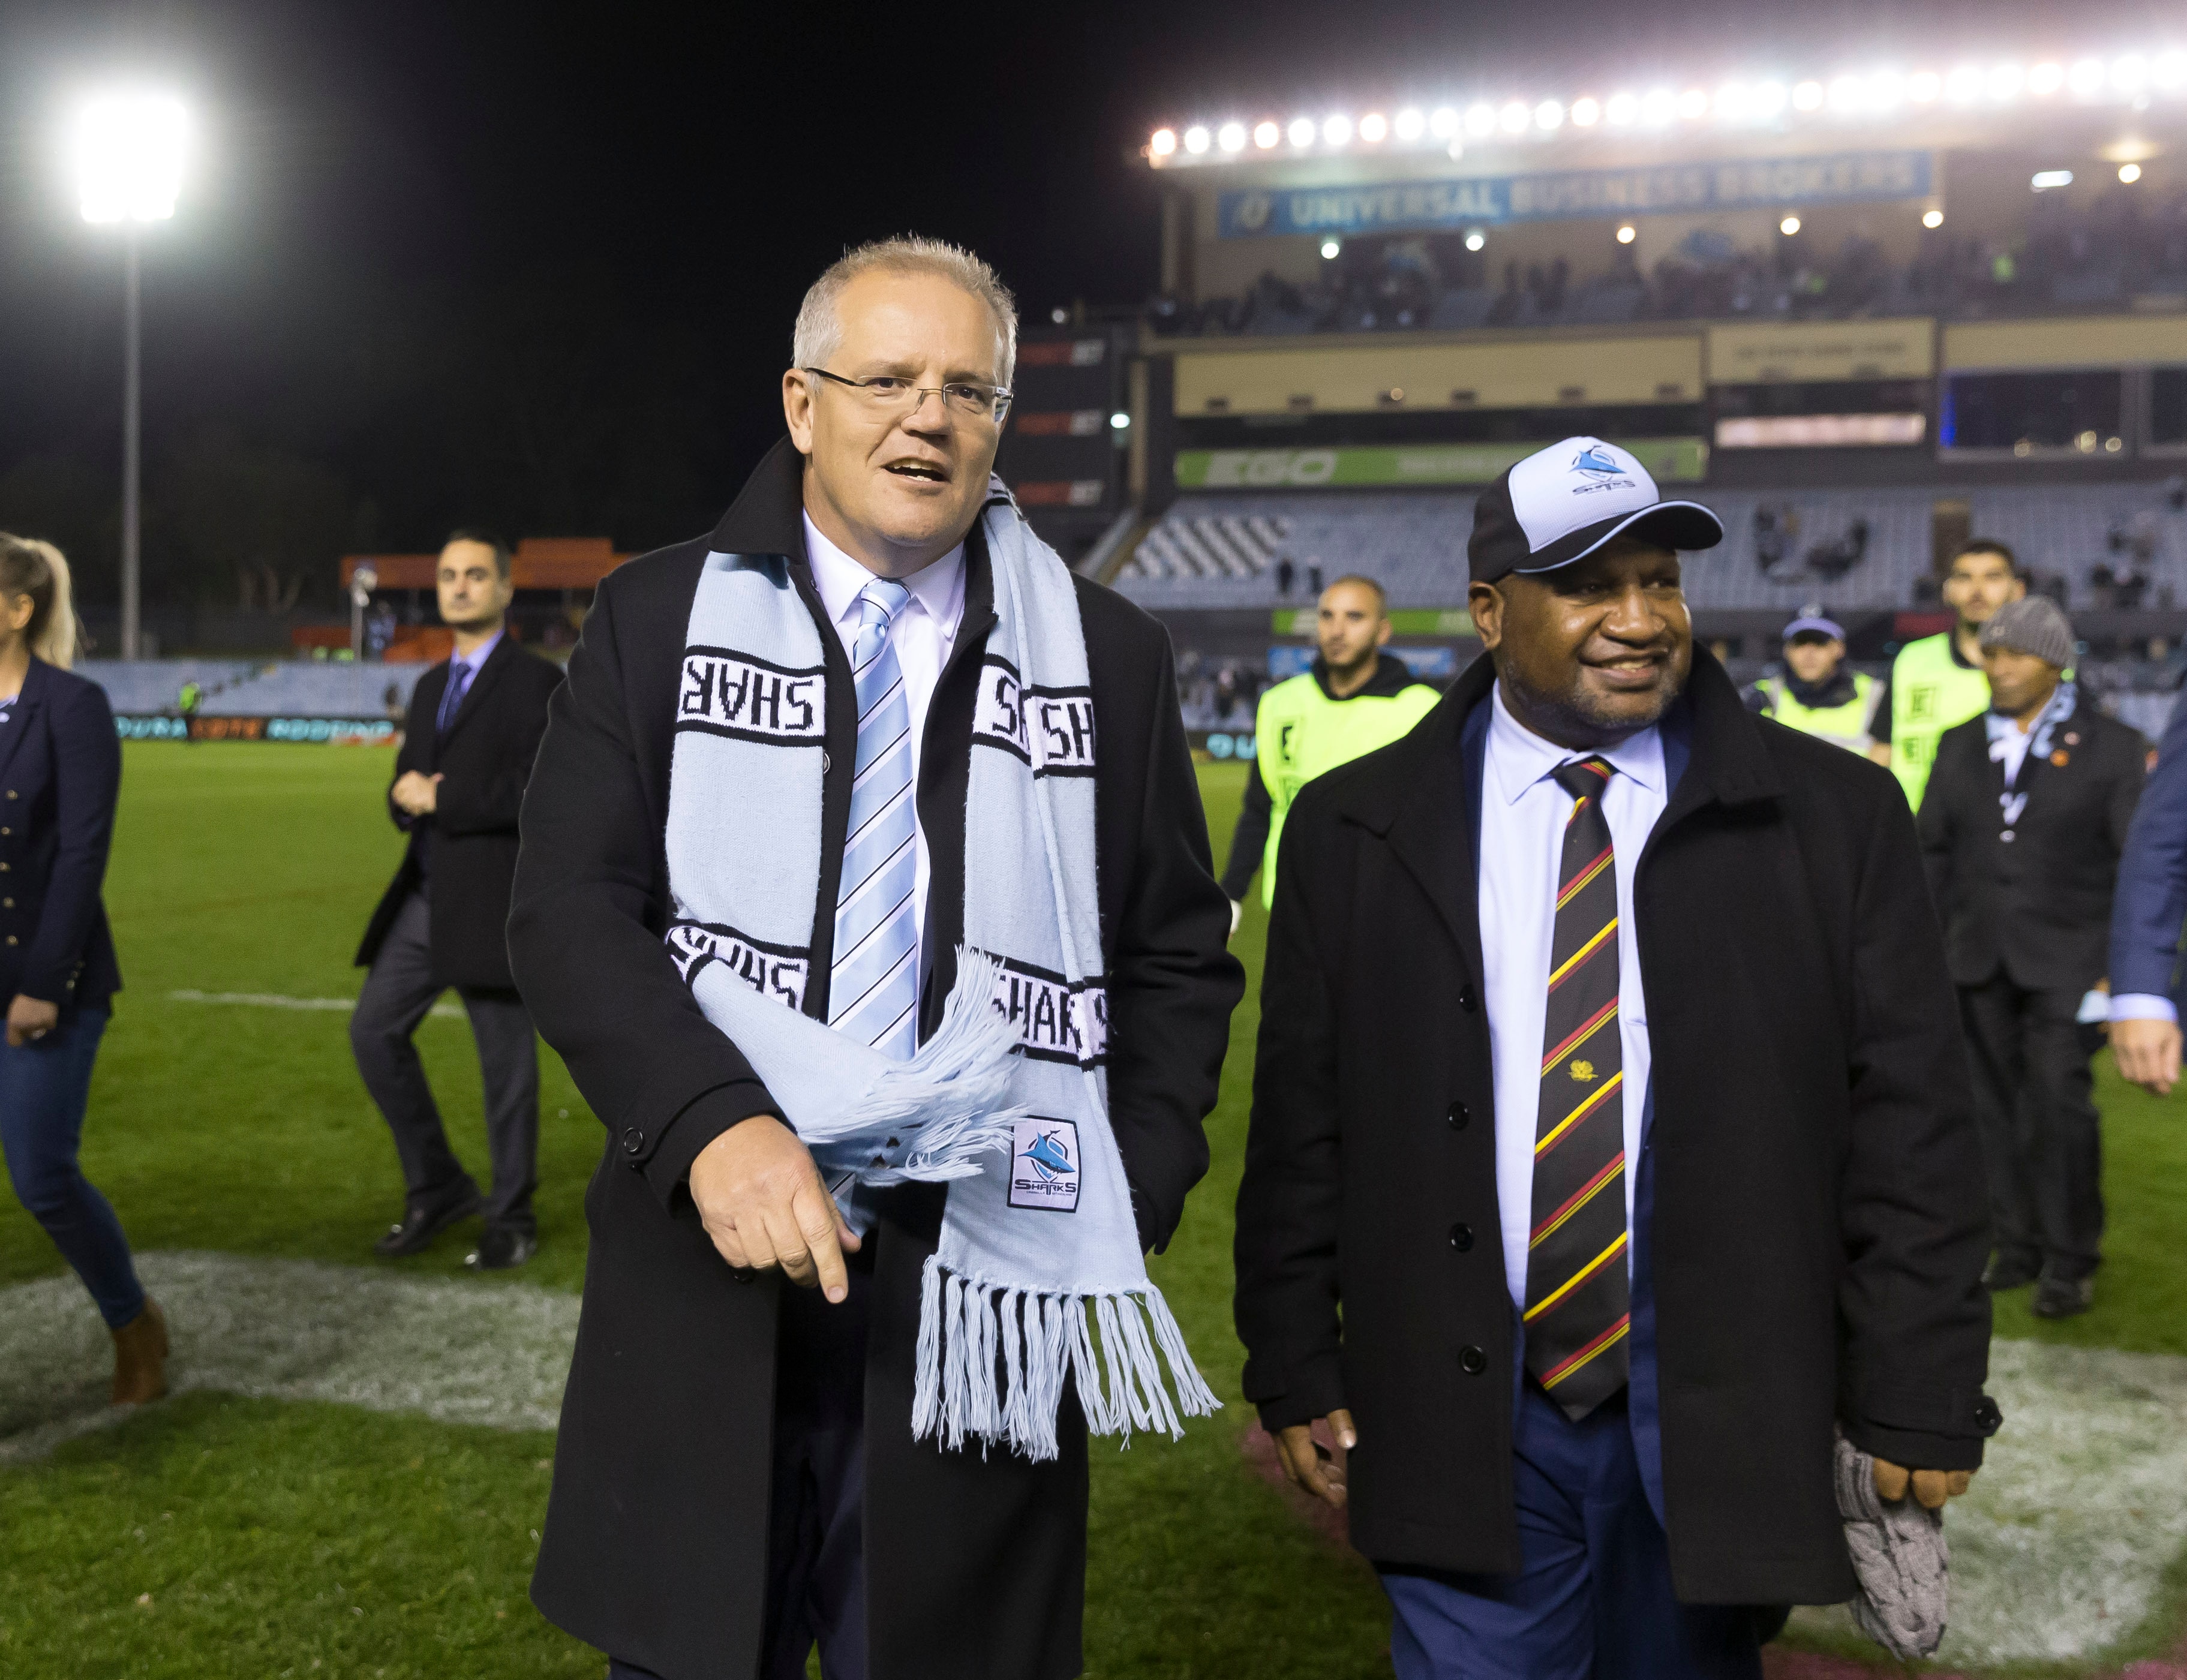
(819, 333)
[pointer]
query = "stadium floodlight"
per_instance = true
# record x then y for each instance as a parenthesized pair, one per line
(1514, 116)
(2046, 79)
(1923, 86)
(1408, 124)
(1331, 248)
(1627, 234)
(1336, 131)
(2130, 74)
(1807, 96)
(1266, 134)
(1120, 421)
(1733, 102)
(1586, 113)
(1932, 218)
(1886, 88)
(1231, 137)
(1659, 107)
(1444, 124)
(1479, 119)
(2049, 180)
(1162, 142)
(1373, 128)
(2086, 78)
(1621, 111)
(1844, 93)
(1196, 139)
(1963, 86)
(2005, 81)
(2170, 73)
(1300, 132)
(1549, 115)
(1789, 226)
(1693, 104)
(1475, 238)
(2129, 173)
(1769, 100)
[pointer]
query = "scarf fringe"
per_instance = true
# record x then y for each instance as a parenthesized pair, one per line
(955, 1091)
(994, 1360)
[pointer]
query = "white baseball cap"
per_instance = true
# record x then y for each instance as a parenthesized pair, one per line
(1565, 502)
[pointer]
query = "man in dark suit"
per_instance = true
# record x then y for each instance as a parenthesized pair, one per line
(474, 725)
(2025, 816)
(718, 1503)
(2146, 917)
(1611, 1146)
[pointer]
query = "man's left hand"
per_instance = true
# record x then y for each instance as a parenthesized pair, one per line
(416, 793)
(30, 1018)
(1930, 1488)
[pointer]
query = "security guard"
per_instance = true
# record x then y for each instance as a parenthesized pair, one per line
(1356, 698)
(1817, 696)
(1938, 682)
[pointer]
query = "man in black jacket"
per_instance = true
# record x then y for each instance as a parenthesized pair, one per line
(1610, 1147)
(2022, 825)
(718, 1503)
(474, 725)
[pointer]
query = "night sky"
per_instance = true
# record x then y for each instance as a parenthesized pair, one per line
(536, 266)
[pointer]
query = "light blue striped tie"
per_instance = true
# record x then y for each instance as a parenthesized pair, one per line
(873, 994)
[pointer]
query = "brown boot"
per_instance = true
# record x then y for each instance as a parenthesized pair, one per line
(140, 1356)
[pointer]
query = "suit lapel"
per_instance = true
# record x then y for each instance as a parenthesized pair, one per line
(1430, 829)
(28, 705)
(488, 675)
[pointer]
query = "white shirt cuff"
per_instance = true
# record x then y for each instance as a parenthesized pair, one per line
(2144, 1006)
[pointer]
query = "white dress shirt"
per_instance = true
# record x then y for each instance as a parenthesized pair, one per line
(1522, 830)
(922, 633)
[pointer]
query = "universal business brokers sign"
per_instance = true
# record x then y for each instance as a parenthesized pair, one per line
(1487, 200)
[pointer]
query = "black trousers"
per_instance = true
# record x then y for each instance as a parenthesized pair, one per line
(398, 992)
(2041, 1136)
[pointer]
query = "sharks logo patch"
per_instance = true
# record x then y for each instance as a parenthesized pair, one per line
(1044, 1165)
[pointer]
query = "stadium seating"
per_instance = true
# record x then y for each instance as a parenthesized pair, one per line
(235, 688)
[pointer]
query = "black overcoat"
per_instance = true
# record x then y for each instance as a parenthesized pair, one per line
(1819, 1226)
(2037, 905)
(485, 757)
(655, 1540)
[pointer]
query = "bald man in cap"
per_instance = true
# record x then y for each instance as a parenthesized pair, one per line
(1610, 1147)
(2022, 824)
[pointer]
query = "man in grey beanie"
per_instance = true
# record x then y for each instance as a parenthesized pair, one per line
(2022, 826)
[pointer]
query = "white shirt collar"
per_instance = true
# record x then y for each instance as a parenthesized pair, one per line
(1518, 757)
(936, 589)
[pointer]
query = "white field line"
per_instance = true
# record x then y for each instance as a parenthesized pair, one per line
(274, 1000)
(2057, 1553)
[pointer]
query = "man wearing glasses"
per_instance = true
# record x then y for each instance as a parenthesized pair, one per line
(719, 1504)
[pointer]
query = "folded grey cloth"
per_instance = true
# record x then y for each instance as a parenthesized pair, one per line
(1900, 1555)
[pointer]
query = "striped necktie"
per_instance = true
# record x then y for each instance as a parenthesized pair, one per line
(1577, 1292)
(873, 992)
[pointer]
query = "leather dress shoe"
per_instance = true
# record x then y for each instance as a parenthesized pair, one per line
(140, 1356)
(2004, 1272)
(502, 1248)
(420, 1225)
(2063, 1297)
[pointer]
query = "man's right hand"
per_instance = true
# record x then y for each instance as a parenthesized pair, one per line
(1309, 1464)
(2148, 1054)
(762, 1202)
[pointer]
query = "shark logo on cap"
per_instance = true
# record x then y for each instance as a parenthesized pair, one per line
(1593, 460)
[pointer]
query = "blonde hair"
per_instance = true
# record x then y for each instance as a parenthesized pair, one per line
(819, 331)
(29, 567)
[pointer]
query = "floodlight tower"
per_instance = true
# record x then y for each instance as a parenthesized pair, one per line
(129, 149)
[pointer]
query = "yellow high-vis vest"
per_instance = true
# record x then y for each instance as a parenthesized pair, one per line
(1303, 733)
(1930, 692)
(1850, 726)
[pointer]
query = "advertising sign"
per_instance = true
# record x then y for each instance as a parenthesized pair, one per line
(331, 731)
(1492, 200)
(1670, 460)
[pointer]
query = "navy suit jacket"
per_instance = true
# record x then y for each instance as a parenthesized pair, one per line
(61, 776)
(1643, 1409)
(2151, 902)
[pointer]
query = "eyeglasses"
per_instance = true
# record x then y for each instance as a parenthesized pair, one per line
(888, 394)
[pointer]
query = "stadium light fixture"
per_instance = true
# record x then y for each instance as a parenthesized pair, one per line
(1162, 142)
(1196, 139)
(2049, 180)
(1789, 226)
(1445, 123)
(1923, 86)
(1301, 132)
(2005, 81)
(2129, 173)
(1408, 124)
(2086, 78)
(1627, 234)
(1932, 218)
(1659, 107)
(1622, 110)
(1514, 117)
(1844, 93)
(1336, 131)
(1693, 104)
(1886, 88)
(1332, 249)
(1807, 96)
(1231, 137)
(2130, 74)
(2171, 73)
(1732, 102)
(1549, 116)
(1266, 134)
(1475, 238)
(1120, 421)
(1586, 113)
(1963, 86)
(1770, 99)
(2046, 79)
(1373, 128)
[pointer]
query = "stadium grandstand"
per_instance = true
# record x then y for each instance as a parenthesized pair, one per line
(1865, 310)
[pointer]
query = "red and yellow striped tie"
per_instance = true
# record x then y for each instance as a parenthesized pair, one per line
(1577, 1295)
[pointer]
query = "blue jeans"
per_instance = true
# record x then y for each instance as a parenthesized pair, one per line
(1593, 1598)
(44, 1088)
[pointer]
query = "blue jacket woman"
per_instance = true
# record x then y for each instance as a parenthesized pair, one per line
(61, 773)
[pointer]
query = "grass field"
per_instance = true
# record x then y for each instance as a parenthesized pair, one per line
(215, 1535)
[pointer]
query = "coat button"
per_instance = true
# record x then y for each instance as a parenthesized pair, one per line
(1458, 1114)
(633, 1140)
(11, 939)
(2006, 835)
(1987, 1417)
(1461, 1237)
(1472, 1361)
(1466, 1000)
